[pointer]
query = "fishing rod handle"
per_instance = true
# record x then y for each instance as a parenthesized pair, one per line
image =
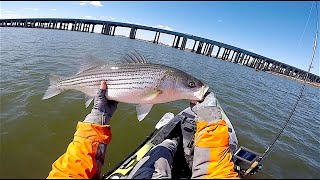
(253, 165)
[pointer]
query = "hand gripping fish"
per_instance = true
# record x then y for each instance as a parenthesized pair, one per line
(134, 81)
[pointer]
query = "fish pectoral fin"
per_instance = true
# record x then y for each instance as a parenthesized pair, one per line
(90, 93)
(143, 110)
(88, 100)
(152, 95)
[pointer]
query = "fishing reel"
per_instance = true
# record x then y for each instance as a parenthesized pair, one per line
(246, 161)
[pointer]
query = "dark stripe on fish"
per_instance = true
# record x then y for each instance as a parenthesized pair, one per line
(108, 78)
(110, 75)
(115, 82)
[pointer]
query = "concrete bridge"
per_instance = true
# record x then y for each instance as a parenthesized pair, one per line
(201, 45)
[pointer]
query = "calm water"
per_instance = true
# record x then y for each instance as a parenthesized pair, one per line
(35, 132)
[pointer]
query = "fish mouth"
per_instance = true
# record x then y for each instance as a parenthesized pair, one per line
(201, 92)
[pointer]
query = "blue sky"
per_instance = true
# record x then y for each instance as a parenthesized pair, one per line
(273, 29)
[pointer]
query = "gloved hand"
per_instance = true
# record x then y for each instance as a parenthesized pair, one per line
(208, 109)
(103, 108)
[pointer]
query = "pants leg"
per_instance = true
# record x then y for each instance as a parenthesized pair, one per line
(157, 163)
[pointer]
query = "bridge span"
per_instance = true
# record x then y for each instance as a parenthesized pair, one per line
(201, 45)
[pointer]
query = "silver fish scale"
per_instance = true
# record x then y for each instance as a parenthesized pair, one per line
(123, 76)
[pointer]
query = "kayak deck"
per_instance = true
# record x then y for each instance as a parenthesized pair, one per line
(181, 127)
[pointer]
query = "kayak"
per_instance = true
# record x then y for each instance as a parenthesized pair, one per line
(182, 125)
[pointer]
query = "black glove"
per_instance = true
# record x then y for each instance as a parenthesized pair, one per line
(103, 108)
(208, 109)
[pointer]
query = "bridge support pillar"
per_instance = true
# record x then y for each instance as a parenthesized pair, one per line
(238, 57)
(279, 69)
(184, 43)
(226, 54)
(205, 49)
(241, 58)
(73, 26)
(256, 63)
(114, 30)
(233, 53)
(199, 49)
(246, 60)
(157, 40)
(252, 62)
(155, 37)
(236, 60)
(60, 25)
(210, 50)
(133, 33)
(77, 26)
(272, 67)
(88, 28)
(194, 45)
(92, 30)
(176, 41)
(106, 29)
(83, 26)
(218, 52)
(259, 66)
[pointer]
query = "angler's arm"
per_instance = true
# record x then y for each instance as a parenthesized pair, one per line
(212, 156)
(85, 155)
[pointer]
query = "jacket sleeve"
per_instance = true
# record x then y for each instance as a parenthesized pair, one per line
(212, 157)
(85, 154)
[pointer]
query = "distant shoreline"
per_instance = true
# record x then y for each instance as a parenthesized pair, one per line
(301, 81)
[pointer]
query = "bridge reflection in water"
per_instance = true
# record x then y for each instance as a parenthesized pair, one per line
(201, 45)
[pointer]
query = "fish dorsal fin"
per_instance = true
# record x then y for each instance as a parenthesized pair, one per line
(134, 57)
(143, 110)
(89, 62)
(86, 68)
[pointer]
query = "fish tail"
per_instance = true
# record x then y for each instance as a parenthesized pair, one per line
(53, 89)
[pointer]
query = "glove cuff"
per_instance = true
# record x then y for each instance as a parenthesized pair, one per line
(209, 114)
(97, 117)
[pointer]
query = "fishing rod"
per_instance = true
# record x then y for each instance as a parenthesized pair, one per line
(255, 159)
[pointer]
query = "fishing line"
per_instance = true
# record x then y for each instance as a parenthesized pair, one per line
(305, 27)
(271, 146)
(299, 97)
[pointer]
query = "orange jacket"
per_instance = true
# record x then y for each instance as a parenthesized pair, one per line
(212, 157)
(85, 154)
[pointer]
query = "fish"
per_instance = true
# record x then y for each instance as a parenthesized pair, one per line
(133, 81)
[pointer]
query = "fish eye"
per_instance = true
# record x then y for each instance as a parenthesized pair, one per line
(191, 84)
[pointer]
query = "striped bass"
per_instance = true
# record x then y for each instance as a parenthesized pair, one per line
(135, 82)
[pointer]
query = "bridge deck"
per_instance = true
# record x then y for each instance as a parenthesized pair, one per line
(205, 46)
